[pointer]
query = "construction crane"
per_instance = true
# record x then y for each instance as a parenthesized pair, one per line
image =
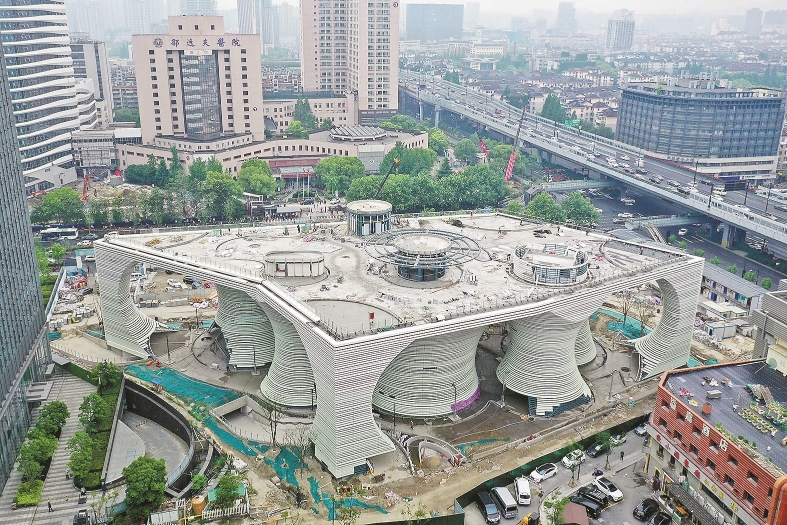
(483, 146)
(512, 158)
(394, 164)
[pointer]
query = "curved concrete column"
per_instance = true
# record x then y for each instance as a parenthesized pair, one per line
(421, 377)
(290, 381)
(125, 327)
(246, 328)
(541, 363)
(585, 347)
(668, 346)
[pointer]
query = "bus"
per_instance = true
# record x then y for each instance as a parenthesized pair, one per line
(775, 193)
(58, 234)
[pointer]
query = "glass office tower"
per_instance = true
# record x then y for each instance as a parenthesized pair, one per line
(24, 350)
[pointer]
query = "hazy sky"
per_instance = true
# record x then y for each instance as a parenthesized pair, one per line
(722, 7)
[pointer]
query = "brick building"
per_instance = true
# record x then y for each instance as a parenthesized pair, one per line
(718, 443)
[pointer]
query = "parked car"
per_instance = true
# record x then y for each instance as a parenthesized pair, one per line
(625, 215)
(608, 488)
(781, 207)
(641, 430)
(592, 492)
(90, 258)
(189, 279)
(592, 508)
(683, 231)
(617, 439)
(85, 291)
(307, 202)
(646, 509)
(173, 282)
(596, 449)
(660, 518)
(90, 237)
(573, 458)
(84, 243)
(545, 471)
(488, 508)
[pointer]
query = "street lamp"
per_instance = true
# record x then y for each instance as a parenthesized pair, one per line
(454, 385)
(393, 397)
(768, 198)
(503, 394)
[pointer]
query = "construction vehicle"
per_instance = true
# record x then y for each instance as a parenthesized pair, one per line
(394, 164)
(512, 158)
(530, 519)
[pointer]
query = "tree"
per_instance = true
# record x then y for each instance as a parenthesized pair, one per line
(175, 167)
(127, 115)
(553, 110)
(438, 142)
(198, 483)
(214, 164)
(345, 512)
(445, 169)
(63, 205)
(98, 209)
(580, 209)
(544, 208)
(255, 176)
(106, 374)
(327, 123)
(401, 122)
(94, 412)
(671, 239)
(337, 173)
(296, 130)
(515, 208)
(227, 491)
(732, 268)
(58, 252)
(146, 481)
(626, 302)
(766, 283)
(39, 449)
(272, 413)
(162, 174)
(750, 276)
(699, 252)
(81, 447)
(30, 469)
(683, 245)
(412, 161)
(52, 417)
(303, 114)
(42, 259)
(466, 151)
(645, 308)
(715, 261)
(298, 437)
(140, 174)
(555, 505)
(608, 443)
(221, 194)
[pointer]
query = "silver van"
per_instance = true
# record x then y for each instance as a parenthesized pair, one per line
(522, 490)
(505, 502)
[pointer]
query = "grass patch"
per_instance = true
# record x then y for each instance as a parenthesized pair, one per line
(29, 494)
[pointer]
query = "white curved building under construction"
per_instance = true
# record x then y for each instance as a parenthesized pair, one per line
(361, 323)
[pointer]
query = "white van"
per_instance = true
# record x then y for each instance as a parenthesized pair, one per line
(505, 502)
(522, 489)
(136, 276)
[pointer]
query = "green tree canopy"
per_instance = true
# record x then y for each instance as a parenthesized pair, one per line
(81, 447)
(580, 209)
(766, 283)
(39, 449)
(297, 130)
(600, 130)
(53, 416)
(94, 412)
(337, 173)
(221, 195)
(465, 151)
(445, 169)
(412, 161)
(438, 142)
(544, 208)
(227, 490)
(515, 208)
(127, 115)
(553, 110)
(327, 123)
(401, 122)
(63, 205)
(303, 114)
(750, 276)
(106, 374)
(146, 481)
(58, 251)
(255, 176)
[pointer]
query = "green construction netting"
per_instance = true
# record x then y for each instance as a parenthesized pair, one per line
(193, 391)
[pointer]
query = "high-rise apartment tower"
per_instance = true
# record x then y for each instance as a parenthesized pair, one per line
(352, 47)
(620, 32)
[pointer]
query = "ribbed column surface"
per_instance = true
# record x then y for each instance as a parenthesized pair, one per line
(246, 328)
(290, 381)
(669, 345)
(584, 347)
(125, 327)
(541, 363)
(420, 378)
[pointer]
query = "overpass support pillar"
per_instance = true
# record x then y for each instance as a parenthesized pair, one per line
(437, 117)
(420, 111)
(727, 234)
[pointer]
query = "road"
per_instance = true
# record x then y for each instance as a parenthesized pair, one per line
(762, 216)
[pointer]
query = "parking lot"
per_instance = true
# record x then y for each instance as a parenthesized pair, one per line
(622, 473)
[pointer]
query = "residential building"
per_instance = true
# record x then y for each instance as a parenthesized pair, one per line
(620, 32)
(717, 439)
(471, 14)
(518, 23)
(198, 83)
(286, 27)
(91, 61)
(356, 52)
(753, 23)
(124, 84)
(142, 15)
(721, 286)
(281, 111)
(86, 104)
(771, 322)
(96, 150)
(41, 75)
(198, 7)
(24, 349)
(679, 121)
(257, 17)
(566, 18)
(433, 22)
(85, 17)
(497, 48)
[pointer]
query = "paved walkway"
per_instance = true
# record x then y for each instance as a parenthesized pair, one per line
(61, 492)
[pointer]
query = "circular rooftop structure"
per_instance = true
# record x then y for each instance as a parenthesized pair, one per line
(550, 264)
(358, 133)
(368, 217)
(420, 255)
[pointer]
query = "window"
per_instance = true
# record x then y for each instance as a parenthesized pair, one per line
(754, 479)
(245, 92)
(732, 461)
(694, 450)
(169, 60)
(151, 52)
(152, 60)
(244, 76)
(154, 86)
(155, 102)
(711, 465)
(158, 128)
(156, 111)
(196, 27)
(728, 480)
(748, 497)
(180, 26)
(212, 27)
(153, 70)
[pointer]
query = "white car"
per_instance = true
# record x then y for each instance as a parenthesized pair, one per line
(547, 470)
(625, 157)
(90, 258)
(683, 231)
(608, 488)
(173, 282)
(719, 191)
(573, 458)
(625, 215)
(84, 243)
